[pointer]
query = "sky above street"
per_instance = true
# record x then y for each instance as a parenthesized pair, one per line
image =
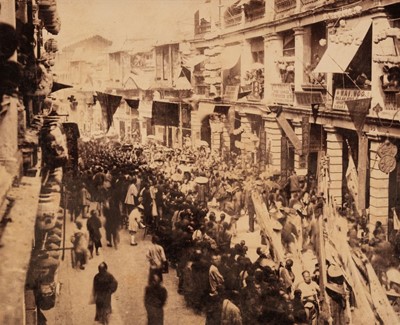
(121, 19)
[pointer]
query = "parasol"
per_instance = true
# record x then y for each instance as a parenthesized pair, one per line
(201, 180)
(176, 177)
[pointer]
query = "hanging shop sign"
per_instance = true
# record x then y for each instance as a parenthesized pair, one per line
(306, 98)
(387, 149)
(231, 93)
(343, 95)
(305, 140)
(387, 164)
(282, 93)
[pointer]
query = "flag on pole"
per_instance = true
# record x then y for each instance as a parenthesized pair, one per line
(352, 180)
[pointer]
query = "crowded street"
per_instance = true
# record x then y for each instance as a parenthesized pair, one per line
(129, 266)
(189, 162)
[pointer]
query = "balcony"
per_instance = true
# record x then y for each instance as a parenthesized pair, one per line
(284, 5)
(202, 28)
(311, 4)
(233, 20)
(254, 12)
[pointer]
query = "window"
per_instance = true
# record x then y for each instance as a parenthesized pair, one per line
(159, 63)
(288, 43)
(165, 63)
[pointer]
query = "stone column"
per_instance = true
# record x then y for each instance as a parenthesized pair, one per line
(329, 76)
(385, 46)
(299, 58)
(216, 131)
(334, 150)
(273, 49)
(300, 170)
(244, 138)
(274, 135)
(378, 186)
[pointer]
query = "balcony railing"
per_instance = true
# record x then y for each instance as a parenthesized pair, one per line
(256, 13)
(283, 5)
(202, 28)
(233, 20)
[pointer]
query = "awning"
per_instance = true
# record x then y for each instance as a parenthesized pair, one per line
(339, 53)
(137, 81)
(230, 56)
(205, 109)
(182, 83)
(190, 63)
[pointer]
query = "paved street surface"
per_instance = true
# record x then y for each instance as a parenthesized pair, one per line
(129, 266)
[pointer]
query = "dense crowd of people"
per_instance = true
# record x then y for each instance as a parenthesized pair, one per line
(190, 201)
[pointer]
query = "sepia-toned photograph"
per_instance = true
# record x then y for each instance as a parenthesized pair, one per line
(199, 162)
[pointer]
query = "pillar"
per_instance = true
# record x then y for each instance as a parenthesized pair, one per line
(378, 186)
(244, 138)
(362, 170)
(300, 170)
(274, 135)
(329, 76)
(299, 58)
(273, 49)
(385, 46)
(216, 131)
(334, 151)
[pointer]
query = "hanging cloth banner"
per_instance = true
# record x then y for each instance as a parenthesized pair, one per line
(109, 105)
(358, 109)
(58, 86)
(352, 180)
(132, 103)
(165, 114)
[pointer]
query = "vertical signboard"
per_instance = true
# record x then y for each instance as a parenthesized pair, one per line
(284, 158)
(305, 143)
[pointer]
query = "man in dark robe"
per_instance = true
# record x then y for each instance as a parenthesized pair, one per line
(154, 300)
(104, 285)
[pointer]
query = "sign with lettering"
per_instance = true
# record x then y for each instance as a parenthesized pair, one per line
(305, 141)
(231, 93)
(282, 93)
(306, 98)
(343, 95)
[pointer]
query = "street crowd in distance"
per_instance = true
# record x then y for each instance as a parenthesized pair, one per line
(190, 200)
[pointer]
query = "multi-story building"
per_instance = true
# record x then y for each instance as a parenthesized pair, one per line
(131, 72)
(170, 114)
(30, 225)
(318, 78)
